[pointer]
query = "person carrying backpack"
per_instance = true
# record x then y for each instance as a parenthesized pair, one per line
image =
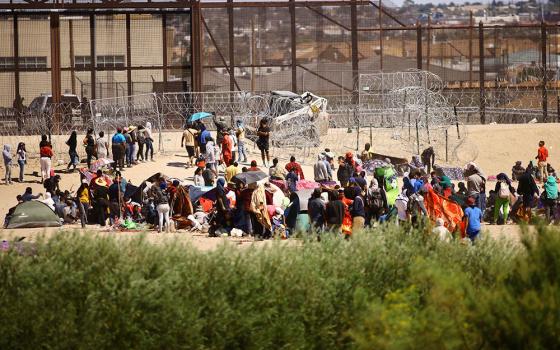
(375, 202)
(549, 198)
(503, 190)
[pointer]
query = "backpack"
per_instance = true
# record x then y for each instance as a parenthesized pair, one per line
(375, 199)
(503, 192)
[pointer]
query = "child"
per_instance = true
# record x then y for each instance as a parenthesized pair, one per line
(473, 216)
(198, 179)
(7, 154)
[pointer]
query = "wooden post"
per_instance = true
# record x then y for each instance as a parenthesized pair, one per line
(456, 121)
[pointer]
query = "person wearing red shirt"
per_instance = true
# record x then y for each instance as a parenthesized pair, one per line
(227, 148)
(542, 156)
(254, 166)
(296, 167)
(45, 153)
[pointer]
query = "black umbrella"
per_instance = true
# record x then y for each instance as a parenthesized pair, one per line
(249, 177)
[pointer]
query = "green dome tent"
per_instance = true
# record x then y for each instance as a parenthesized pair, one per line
(33, 214)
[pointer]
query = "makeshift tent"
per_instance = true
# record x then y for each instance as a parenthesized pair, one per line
(33, 214)
(249, 177)
(441, 207)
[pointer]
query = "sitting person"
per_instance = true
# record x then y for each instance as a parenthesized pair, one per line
(441, 231)
(517, 171)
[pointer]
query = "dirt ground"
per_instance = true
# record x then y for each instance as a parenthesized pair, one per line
(497, 147)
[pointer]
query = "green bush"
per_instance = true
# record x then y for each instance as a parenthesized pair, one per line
(386, 288)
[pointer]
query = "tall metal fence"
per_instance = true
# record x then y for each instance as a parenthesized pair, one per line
(101, 49)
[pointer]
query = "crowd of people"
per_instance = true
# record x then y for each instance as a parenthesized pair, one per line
(343, 197)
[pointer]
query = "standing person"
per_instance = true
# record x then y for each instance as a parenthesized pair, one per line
(134, 135)
(149, 141)
(292, 211)
(203, 137)
(357, 210)
(527, 188)
(101, 146)
(141, 140)
(293, 165)
(263, 142)
(46, 154)
(227, 148)
(344, 172)
(476, 185)
(118, 148)
(22, 159)
(240, 132)
(127, 147)
(375, 204)
(101, 197)
(7, 155)
(542, 156)
(188, 141)
(334, 212)
(210, 155)
(428, 158)
(503, 191)
(316, 211)
(72, 144)
(321, 169)
(161, 200)
(233, 137)
(367, 154)
(84, 198)
(473, 215)
(89, 142)
(198, 179)
(550, 196)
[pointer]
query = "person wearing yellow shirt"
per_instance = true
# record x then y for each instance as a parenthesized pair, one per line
(231, 171)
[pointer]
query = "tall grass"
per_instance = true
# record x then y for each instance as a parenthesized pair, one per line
(386, 288)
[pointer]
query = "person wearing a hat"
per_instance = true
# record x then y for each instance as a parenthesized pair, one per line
(101, 197)
(473, 215)
(118, 147)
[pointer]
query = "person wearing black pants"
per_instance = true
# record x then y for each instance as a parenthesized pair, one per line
(90, 146)
(101, 197)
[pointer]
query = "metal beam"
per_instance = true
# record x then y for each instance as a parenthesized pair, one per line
(16, 55)
(232, 82)
(319, 13)
(481, 74)
(164, 44)
(293, 42)
(93, 57)
(196, 48)
(354, 40)
(128, 57)
(418, 46)
(544, 72)
(231, 76)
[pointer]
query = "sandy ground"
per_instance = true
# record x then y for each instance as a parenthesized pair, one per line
(494, 147)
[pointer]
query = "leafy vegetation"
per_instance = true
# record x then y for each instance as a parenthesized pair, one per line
(384, 289)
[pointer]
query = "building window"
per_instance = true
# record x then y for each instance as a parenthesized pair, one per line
(82, 62)
(7, 63)
(110, 61)
(32, 62)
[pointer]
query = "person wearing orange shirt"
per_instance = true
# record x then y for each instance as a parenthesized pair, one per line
(542, 156)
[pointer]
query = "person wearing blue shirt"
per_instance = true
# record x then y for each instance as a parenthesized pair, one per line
(118, 148)
(204, 135)
(474, 217)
